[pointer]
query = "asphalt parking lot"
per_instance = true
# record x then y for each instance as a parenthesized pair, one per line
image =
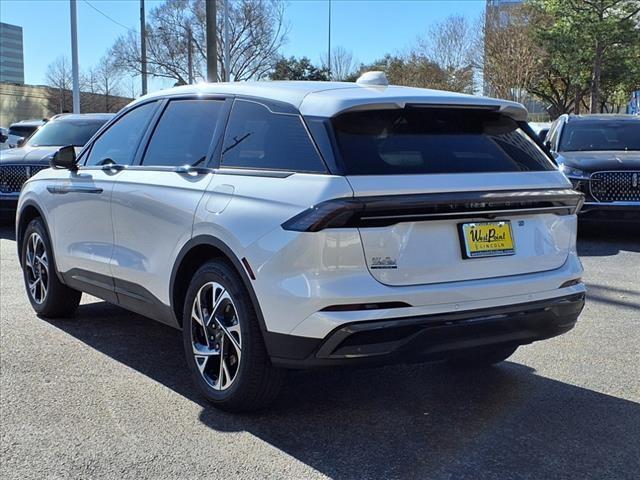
(106, 394)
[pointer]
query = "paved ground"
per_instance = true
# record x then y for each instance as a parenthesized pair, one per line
(106, 395)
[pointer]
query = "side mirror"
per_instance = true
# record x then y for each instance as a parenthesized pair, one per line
(547, 144)
(543, 134)
(20, 142)
(65, 158)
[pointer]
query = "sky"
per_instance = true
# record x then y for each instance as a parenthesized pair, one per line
(368, 28)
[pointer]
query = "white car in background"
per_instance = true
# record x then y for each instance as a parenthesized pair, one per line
(22, 130)
(308, 224)
(4, 138)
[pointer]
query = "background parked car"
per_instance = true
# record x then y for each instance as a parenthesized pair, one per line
(4, 137)
(541, 129)
(601, 156)
(20, 131)
(18, 164)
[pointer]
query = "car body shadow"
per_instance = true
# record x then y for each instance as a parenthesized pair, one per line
(7, 232)
(617, 297)
(414, 421)
(603, 239)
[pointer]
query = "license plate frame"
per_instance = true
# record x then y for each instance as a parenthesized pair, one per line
(484, 246)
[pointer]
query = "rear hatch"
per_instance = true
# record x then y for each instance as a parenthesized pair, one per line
(451, 194)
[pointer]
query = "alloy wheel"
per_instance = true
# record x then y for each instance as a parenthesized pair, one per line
(37, 268)
(216, 336)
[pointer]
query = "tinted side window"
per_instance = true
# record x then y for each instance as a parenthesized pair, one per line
(258, 138)
(184, 133)
(120, 141)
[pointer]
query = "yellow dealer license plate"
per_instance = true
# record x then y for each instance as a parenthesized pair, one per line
(487, 239)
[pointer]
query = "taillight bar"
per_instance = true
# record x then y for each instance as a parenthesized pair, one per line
(380, 211)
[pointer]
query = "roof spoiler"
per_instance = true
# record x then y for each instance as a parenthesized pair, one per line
(515, 111)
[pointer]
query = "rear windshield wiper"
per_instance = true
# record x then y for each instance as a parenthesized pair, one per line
(237, 141)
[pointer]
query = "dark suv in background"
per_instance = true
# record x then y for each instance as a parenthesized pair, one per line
(600, 154)
(19, 164)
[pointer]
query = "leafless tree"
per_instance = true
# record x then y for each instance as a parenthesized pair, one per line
(89, 91)
(59, 78)
(108, 82)
(101, 88)
(134, 90)
(257, 30)
(511, 58)
(453, 46)
(342, 63)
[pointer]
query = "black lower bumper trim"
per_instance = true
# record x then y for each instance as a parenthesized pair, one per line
(8, 206)
(428, 337)
(611, 212)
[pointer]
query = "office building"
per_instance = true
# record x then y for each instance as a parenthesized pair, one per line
(11, 54)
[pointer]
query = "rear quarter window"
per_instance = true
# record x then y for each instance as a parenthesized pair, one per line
(257, 138)
(419, 140)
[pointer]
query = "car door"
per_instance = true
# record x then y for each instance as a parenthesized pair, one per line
(153, 202)
(81, 203)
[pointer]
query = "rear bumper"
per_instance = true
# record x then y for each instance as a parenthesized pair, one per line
(427, 337)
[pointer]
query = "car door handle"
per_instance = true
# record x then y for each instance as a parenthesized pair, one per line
(190, 169)
(113, 167)
(63, 189)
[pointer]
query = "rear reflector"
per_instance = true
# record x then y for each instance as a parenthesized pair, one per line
(245, 262)
(364, 306)
(383, 211)
(571, 283)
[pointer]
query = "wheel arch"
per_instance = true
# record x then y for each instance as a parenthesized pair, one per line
(192, 256)
(27, 213)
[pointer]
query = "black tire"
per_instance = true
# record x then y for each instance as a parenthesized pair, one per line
(482, 357)
(59, 300)
(256, 382)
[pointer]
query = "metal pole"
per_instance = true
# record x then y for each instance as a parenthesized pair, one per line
(143, 48)
(329, 48)
(74, 56)
(189, 55)
(227, 66)
(212, 55)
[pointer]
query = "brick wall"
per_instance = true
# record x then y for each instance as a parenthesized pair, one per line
(22, 102)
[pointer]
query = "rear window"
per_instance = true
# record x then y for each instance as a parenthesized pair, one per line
(418, 140)
(22, 131)
(63, 133)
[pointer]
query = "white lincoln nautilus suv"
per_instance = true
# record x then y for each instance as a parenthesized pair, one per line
(302, 224)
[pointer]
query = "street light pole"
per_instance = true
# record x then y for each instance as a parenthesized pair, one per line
(189, 54)
(74, 56)
(227, 67)
(212, 55)
(329, 46)
(143, 48)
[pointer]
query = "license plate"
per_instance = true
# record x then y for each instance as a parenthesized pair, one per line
(486, 239)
